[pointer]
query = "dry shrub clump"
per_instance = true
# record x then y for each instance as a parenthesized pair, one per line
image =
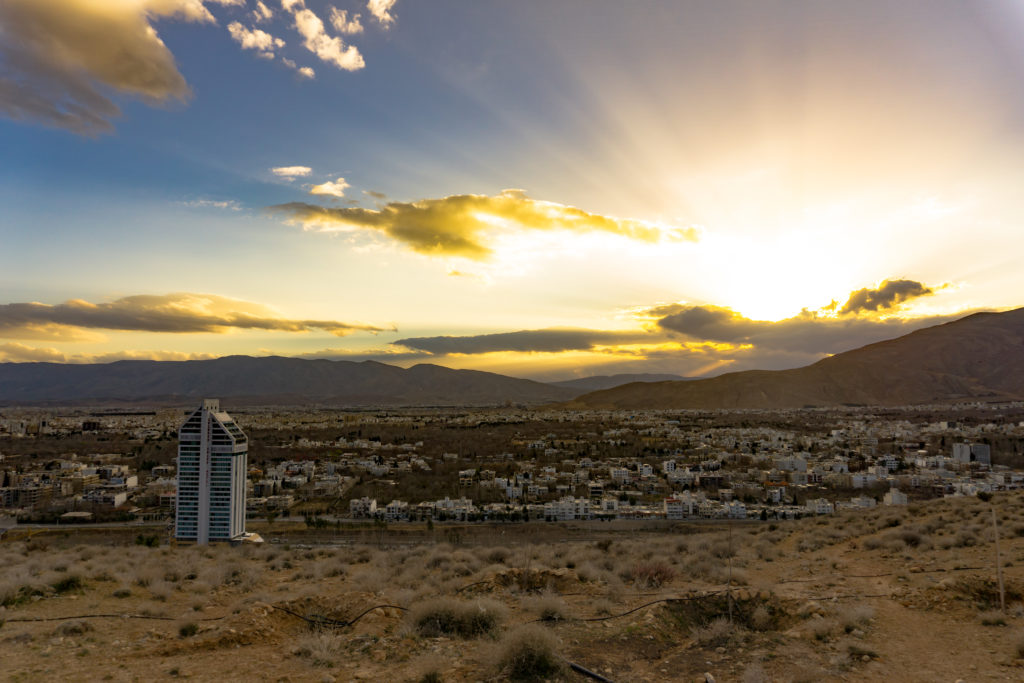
(322, 648)
(530, 653)
(443, 617)
(717, 632)
(855, 617)
(992, 618)
(547, 607)
(652, 574)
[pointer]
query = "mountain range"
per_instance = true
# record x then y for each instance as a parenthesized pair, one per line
(980, 356)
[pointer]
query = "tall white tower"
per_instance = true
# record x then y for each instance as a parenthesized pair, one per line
(211, 477)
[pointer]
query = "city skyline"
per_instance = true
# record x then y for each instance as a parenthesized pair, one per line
(543, 190)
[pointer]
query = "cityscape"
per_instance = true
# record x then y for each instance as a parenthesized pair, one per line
(539, 465)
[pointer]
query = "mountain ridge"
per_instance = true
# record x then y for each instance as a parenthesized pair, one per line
(978, 356)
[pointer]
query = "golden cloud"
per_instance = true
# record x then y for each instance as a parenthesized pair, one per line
(173, 313)
(888, 295)
(462, 225)
(57, 58)
(335, 188)
(20, 353)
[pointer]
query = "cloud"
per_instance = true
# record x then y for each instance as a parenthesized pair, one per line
(20, 353)
(808, 332)
(174, 313)
(342, 24)
(381, 10)
(334, 189)
(213, 204)
(889, 294)
(330, 49)
(462, 225)
(254, 39)
(291, 171)
(14, 352)
(262, 12)
(375, 194)
(59, 59)
(551, 340)
(306, 72)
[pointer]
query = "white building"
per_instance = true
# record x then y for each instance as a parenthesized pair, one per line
(895, 497)
(212, 453)
(819, 506)
(362, 507)
(972, 452)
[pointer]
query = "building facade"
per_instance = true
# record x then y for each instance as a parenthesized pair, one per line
(212, 455)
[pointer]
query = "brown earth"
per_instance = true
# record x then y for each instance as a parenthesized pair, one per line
(887, 594)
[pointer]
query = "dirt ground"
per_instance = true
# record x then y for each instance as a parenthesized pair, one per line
(889, 594)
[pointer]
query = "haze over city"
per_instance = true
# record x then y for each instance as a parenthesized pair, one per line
(545, 190)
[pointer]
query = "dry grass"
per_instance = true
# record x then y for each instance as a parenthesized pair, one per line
(529, 653)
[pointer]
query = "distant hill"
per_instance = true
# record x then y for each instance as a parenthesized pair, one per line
(266, 381)
(598, 382)
(980, 356)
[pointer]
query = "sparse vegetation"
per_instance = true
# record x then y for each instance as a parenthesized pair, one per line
(530, 653)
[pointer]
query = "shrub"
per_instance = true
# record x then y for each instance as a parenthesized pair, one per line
(74, 627)
(855, 616)
(992, 618)
(188, 629)
(321, 647)
(548, 607)
(68, 583)
(466, 619)
(652, 574)
(717, 632)
(530, 653)
(822, 629)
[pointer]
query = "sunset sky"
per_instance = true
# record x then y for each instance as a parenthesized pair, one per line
(543, 189)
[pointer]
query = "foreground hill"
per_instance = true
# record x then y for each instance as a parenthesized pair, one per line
(980, 356)
(267, 380)
(887, 594)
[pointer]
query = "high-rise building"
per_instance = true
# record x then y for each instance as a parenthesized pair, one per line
(211, 477)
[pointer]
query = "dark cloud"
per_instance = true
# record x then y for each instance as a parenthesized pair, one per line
(804, 333)
(58, 59)
(525, 341)
(176, 313)
(460, 225)
(889, 294)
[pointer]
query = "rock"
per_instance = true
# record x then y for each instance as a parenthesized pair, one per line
(708, 678)
(327, 678)
(865, 658)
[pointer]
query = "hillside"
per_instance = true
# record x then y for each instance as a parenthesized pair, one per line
(887, 594)
(980, 356)
(598, 382)
(267, 380)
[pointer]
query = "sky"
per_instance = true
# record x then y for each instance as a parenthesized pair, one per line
(543, 189)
